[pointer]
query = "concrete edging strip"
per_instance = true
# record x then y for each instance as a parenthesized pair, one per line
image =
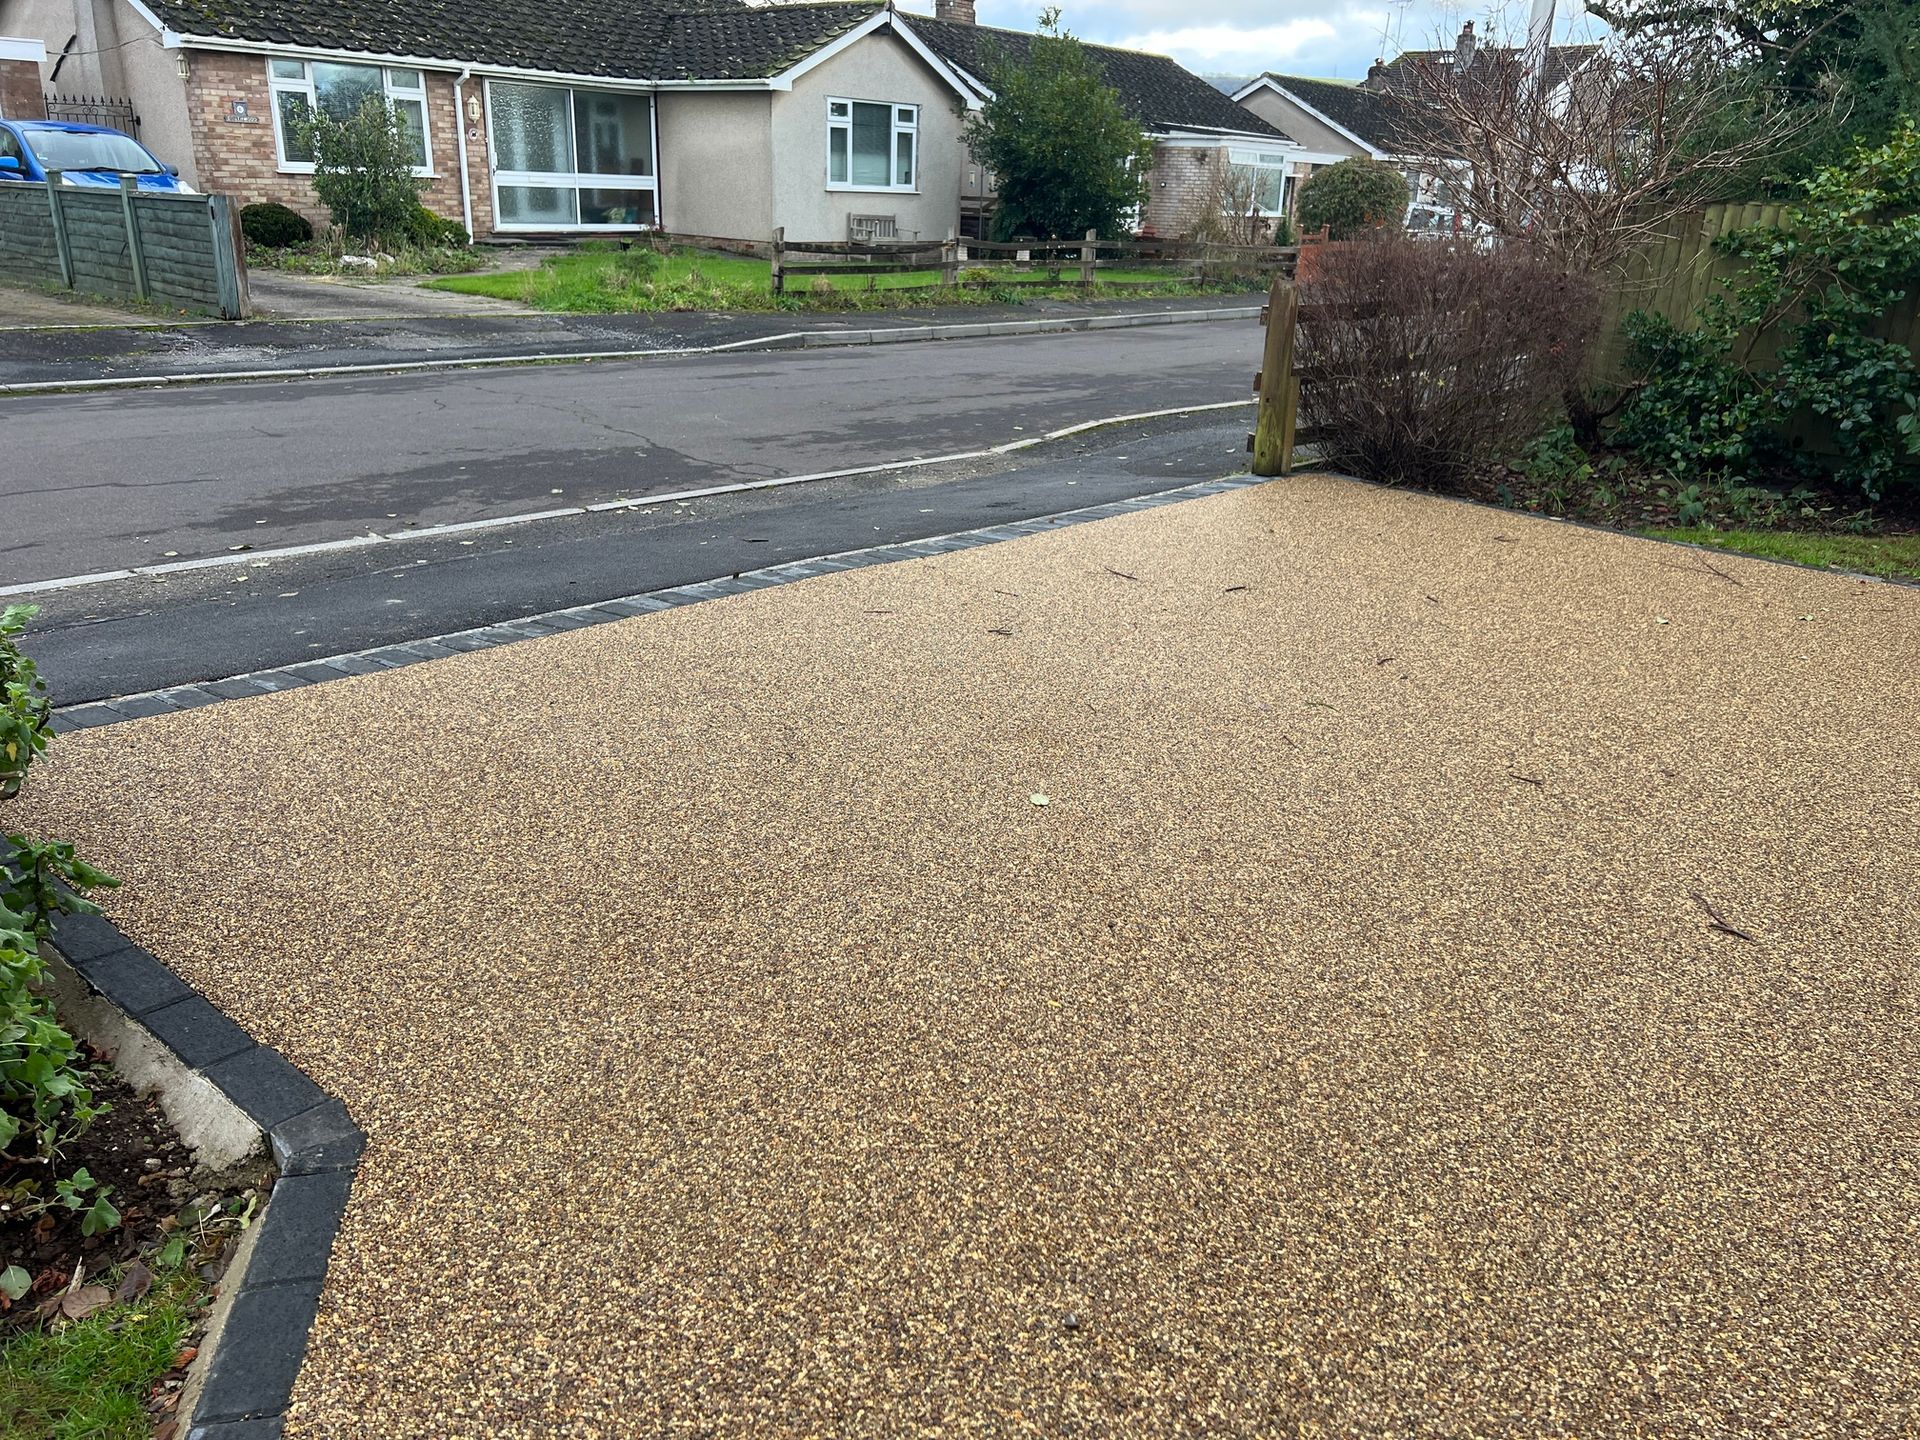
(788, 339)
(316, 1148)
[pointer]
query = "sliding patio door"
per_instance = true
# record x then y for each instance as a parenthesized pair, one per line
(571, 159)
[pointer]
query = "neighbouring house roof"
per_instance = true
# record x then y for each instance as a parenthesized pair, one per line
(1402, 73)
(1375, 119)
(1156, 91)
(624, 39)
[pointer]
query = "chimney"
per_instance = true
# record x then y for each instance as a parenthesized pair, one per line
(1464, 47)
(1376, 75)
(958, 11)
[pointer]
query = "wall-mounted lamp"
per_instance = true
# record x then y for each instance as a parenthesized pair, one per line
(473, 108)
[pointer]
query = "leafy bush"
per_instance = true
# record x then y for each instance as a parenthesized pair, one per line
(428, 230)
(1065, 153)
(363, 168)
(1353, 196)
(276, 226)
(44, 1097)
(1713, 403)
(1431, 358)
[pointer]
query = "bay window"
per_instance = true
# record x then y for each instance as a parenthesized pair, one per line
(571, 159)
(300, 88)
(872, 146)
(1262, 175)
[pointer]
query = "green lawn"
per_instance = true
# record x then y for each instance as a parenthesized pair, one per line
(1891, 556)
(592, 279)
(90, 1380)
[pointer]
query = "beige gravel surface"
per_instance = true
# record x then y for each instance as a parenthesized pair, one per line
(1340, 1051)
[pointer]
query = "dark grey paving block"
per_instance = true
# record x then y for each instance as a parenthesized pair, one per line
(321, 1139)
(196, 1032)
(355, 664)
(85, 938)
(314, 672)
(259, 1354)
(604, 614)
(139, 707)
(262, 1083)
(531, 628)
(390, 657)
(134, 980)
(280, 679)
(689, 595)
(269, 1427)
(238, 688)
(187, 697)
(490, 637)
(296, 1233)
(571, 619)
(431, 649)
(636, 605)
(60, 725)
(85, 717)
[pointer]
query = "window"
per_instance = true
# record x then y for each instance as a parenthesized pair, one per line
(567, 159)
(299, 87)
(1264, 173)
(872, 146)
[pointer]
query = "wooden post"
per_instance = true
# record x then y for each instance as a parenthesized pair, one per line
(229, 264)
(1279, 392)
(136, 252)
(60, 243)
(950, 259)
(779, 247)
(1086, 257)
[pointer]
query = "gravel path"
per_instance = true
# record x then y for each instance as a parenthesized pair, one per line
(1340, 1051)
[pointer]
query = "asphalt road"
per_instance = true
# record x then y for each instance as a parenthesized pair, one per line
(104, 481)
(325, 459)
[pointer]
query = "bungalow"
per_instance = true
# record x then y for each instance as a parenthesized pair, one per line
(1378, 118)
(705, 117)
(1196, 131)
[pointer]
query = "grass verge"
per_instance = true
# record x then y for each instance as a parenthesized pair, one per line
(1895, 557)
(92, 1379)
(597, 281)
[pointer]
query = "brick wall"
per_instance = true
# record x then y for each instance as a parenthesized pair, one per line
(239, 157)
(1178, 188)
(20, 95)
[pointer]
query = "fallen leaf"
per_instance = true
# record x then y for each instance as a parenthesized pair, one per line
(135, 1283)
(79, 1304)
(1039, 799)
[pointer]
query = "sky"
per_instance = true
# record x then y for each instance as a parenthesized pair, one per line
(1335, 39)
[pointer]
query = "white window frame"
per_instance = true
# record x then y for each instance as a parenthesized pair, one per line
(895, 129)
(576, 180)
(303, 87)
(1249, 158)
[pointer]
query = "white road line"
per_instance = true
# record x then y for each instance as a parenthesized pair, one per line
(461, 527)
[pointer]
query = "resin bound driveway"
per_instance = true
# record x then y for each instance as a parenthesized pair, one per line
(1341, 1051)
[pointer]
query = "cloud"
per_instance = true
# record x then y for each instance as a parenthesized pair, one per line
(1258, 47)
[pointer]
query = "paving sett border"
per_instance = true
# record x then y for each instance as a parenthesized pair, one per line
(315, 1143)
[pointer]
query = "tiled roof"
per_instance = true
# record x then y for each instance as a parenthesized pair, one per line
(1156, 91)
(1373, 116)
(1402, 72)
(736, 43)
(627, 39)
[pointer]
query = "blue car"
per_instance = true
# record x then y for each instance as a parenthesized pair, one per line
(83, 154)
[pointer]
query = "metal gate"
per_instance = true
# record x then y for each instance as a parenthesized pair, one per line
(116, 113)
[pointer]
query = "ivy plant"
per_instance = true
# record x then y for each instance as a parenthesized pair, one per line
(1790, 335)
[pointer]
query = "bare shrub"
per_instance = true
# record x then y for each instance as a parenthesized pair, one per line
(1429, 358)
(1228, 213)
